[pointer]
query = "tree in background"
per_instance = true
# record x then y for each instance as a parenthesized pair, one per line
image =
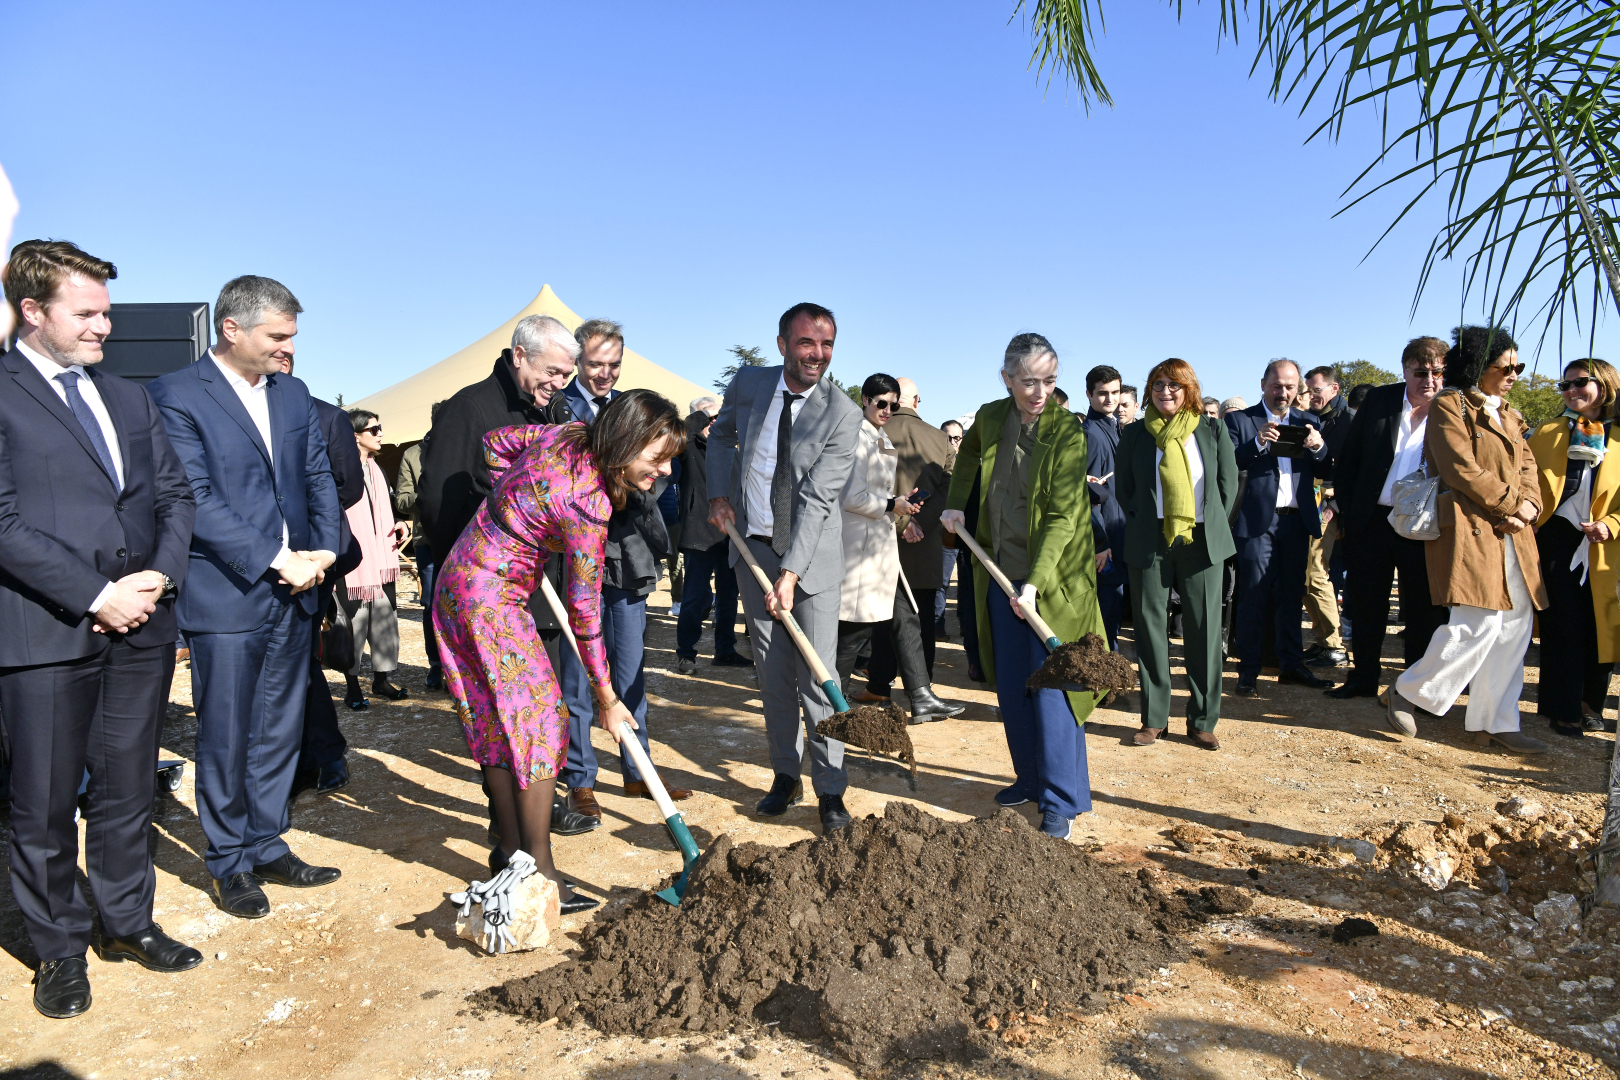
(1537, 398)
(1356, 372)
(744, 356)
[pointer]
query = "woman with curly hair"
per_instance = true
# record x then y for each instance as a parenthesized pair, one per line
(555, 488)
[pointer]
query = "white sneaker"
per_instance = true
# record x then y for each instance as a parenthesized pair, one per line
(674, 609)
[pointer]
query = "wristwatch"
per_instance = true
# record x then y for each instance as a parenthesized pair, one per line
(169, 586)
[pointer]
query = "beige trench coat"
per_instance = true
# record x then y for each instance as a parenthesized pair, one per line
(1485, 462)
(871, 552)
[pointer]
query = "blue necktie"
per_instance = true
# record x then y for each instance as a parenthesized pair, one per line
(88, 421)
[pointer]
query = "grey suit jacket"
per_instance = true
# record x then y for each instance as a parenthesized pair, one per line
(823, 454)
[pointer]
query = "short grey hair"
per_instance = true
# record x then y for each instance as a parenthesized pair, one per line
(1024, 350)
(1279, 362)
(698, 404)
(1233, 403)
(538, 333)
(244, 301)
(1213, 401)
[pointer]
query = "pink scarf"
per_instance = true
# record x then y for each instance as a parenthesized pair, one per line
(370, 520)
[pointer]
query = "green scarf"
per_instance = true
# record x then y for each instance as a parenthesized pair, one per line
(1175, 475)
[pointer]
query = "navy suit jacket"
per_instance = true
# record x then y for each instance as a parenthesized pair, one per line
(65, 530)
(1259, 507)
(343, 453)
(241, 501)
(1107, 516)
(579, 404)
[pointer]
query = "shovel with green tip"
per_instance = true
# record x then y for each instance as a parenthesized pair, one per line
(649, 775)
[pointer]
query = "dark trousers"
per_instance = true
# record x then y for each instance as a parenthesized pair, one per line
(1048, 747)
(624, 626)
(250, 690)
(1374, 553)
(1187, 571)
(908, 647)
(698, 599)
(966, 609)
(1570, 670)
(1271, 567)
(323, 741)
(1111, 601)
(427, 571)
(104, 713)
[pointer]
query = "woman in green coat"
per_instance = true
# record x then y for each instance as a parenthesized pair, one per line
(1029, 456)
(1176, 477)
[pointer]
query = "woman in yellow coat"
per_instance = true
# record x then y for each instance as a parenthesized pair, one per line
(1578, 534)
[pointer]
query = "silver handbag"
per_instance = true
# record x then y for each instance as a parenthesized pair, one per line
(1416, 510)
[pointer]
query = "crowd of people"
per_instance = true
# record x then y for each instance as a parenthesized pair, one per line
(223, 509)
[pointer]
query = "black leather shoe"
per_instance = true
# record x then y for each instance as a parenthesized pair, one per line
(498, 860)
(152, 949)
(1353, 689)
(833, 814)
(566, 821)
(1245, 687)
(241, 896)
(1302, 676)
(62, 987)
(333, 775)
(577, 903)
(785, 791)
(434, 680)
(355, 698)
(292, 871)
(733, 660)
(387, 690)
(1327, 658)
(926, 706)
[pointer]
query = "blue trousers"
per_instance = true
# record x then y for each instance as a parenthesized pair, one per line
(947, 565)
(624, 623)
(1111, 600)
(1272, 565)
(427, 569)
(248, 689)
(697, 598)
(1048, 747)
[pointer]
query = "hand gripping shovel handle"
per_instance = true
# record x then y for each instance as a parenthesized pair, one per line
(649, 775)
(829, 685)
(1030, 615)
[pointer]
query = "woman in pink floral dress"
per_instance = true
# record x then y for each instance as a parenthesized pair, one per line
(555, 488)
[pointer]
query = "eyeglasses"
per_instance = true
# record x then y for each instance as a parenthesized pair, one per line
(1162, 387)
(374, 429)
(1575, 384)
(1424, 374)
(885, 406)
(1517, 369)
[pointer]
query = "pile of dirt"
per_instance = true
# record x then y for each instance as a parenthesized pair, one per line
(901, 937)
(878, 728)
(1086, 663)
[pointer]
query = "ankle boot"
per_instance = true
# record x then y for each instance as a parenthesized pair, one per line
(926, 706)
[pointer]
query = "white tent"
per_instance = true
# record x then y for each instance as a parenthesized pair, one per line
(406, 406)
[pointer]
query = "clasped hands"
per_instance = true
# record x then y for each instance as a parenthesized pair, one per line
(1524, 517)
(132, 601)
(305, 569)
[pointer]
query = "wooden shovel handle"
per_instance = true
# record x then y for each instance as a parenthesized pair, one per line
(1034, 619)
(806, 650)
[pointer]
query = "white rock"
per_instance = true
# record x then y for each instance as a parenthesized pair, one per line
(1600, 982)
(1520, 808)
(220, 955)
(536, 912)
(1435, 869)
(1364, 851)
(1560, 911)
(1571, 986)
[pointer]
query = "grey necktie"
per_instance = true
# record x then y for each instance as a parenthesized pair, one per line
(87, 420)
(782, 478)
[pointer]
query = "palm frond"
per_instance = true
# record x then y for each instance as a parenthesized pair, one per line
(1063, 35)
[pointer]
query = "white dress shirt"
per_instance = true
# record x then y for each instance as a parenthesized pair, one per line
(762, 463)
(1287, 483)
(1408, 451)
(1195, 469)
(255, 399)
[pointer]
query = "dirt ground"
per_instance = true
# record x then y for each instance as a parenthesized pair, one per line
(366, 978)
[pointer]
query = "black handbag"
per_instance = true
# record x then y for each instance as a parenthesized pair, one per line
(337, 639)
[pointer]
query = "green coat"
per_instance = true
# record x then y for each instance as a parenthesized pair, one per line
(1136, 476)
(1063, 563)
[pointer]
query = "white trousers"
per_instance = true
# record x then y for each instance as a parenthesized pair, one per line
(1482, 651)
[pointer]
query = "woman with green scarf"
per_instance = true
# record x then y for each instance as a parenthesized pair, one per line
(1028, 455)
(1176, 478)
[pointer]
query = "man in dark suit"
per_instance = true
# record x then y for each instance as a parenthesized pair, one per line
(95, 516)
(600, 363)
(1385, 443)
(266, 532)
(1107, 516)
(1276, 522)
(321, 764)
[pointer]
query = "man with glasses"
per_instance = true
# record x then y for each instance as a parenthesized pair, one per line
(1385, 443)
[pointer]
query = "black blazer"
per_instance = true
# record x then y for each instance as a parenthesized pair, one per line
(1368, 453)
(1136, 476)
(344, 455)
(65, 532)
(1259, 507)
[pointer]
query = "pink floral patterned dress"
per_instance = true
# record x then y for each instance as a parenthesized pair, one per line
(548, 497)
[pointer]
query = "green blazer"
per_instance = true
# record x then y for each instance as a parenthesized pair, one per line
(1136, 477)
(1063, 564)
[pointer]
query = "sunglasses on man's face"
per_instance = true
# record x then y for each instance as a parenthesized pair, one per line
(1575, 384)
(1425, 374)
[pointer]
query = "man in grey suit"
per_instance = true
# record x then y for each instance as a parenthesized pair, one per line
(782, 449)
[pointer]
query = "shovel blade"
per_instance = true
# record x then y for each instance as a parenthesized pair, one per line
(689, 857)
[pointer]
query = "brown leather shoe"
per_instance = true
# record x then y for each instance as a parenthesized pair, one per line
(1205, 739)
(582, 800)
(635, 789)
(1147, 736)
(182, 656)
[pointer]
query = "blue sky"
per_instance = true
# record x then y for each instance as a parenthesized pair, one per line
(415, 173)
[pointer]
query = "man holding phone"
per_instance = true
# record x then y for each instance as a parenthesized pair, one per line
(1283, 451)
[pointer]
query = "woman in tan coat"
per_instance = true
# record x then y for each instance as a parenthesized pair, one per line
(873, 590)
(1484, 566)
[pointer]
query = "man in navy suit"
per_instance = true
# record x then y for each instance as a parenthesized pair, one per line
(250, 440)
(1107, 516)
(600, 363)
(95, 516)
(1275, 525)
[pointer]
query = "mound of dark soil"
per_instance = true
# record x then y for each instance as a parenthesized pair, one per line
(901, 937)
(1087, 663)
(878, 728)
